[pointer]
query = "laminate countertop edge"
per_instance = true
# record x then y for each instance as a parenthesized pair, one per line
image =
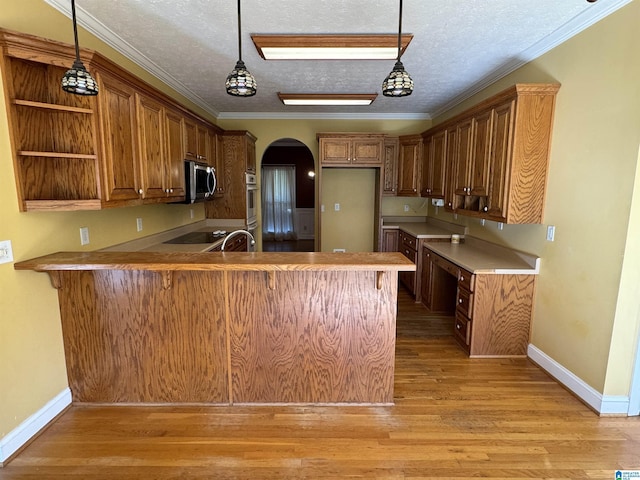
(219, 261)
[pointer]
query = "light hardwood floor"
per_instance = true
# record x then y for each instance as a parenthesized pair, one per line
(454, 418)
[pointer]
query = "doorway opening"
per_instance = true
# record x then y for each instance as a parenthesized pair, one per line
(288, 197)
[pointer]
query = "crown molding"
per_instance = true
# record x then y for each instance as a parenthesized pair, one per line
(320, 116)
(580, 22)
(102, 32)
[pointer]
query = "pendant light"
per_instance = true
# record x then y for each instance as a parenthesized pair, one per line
(240, 82)
(77, 80)
(398, 83)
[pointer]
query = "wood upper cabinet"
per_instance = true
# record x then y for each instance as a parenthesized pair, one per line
(390, 167)
(434, 170)
(351, 150)
(409, 165)
(196, 140)
(125, 146)
(174, 152)
(497, 155)
(216, 160)
(462, 161)
(237, 155)
(117, 102)
(151, 134)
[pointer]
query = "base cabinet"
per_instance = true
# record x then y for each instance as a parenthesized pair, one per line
(492, 311)
(408, 246)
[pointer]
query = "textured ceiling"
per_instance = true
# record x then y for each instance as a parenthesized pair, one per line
(458, 47)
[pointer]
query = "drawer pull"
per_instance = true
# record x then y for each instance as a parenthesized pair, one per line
(458, 326)
(459, 300)
(461, 278)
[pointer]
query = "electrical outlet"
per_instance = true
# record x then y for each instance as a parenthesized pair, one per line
(336, 207)
(322, 208)
(139, 224)
(191, 213)
(551, 233)
(339, 250)
(406, 208)
(84, 236)
(6, 252)
(500, 226)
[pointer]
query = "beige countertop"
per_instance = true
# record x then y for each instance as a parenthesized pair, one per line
(423, 227)
(155, 243)
(478, 256)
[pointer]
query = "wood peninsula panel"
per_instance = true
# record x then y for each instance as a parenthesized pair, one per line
(317, 337)
(501, 317)
(128, 339)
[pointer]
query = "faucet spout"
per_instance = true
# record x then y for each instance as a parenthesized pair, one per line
(236, 232)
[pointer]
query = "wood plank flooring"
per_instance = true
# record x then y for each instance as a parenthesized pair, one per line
(454, 418)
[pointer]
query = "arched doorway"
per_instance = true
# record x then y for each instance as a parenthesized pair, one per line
(288, 197)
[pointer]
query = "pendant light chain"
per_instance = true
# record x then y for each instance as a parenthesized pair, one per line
(239, 33)
(400, 33)
(75, 29)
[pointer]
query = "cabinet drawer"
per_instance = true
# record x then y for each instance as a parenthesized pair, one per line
(466, 279)
(408, 241)
(410, 253)
(446, 265)
(464, 301)
(462, 329)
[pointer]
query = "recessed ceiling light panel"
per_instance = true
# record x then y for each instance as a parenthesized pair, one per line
(334, 99)
(329, 47)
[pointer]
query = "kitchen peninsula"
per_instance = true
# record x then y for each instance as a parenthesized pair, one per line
(227, 327)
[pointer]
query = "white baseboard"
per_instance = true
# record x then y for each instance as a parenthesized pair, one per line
(18, 437)
(603, 404)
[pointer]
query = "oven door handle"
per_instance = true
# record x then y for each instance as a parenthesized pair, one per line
(211, 181)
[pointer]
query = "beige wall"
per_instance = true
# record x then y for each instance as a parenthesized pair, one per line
(586, 315)
(31, 351)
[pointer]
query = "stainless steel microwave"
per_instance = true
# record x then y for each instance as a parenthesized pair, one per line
(200, 181)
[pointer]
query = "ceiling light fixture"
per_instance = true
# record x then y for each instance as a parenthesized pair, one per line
(398, 83)
(335, 99)
(329, 47)
(240, 82)
(77, 80)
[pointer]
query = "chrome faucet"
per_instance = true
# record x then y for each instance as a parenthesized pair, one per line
(235, 232)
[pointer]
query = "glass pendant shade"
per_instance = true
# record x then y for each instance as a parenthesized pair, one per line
(78, 81)
(398, 83)
(240, 82)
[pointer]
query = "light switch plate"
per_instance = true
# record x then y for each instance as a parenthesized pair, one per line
(336, 207)
(84, 236)
(139, 224)
(551, 233)
(6, 251)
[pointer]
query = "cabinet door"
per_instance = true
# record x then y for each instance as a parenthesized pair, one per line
(367, 151)
(499, 162)
(219, 162)
(425, 283)
(150, 116)
(190, 139)
(463, 159)
(117, 124)
(425, 178)
(389, 240)
(175, 181)
(335, 151)
(251, 155)
(202, 142)
(482, 134)
(435, 164)
(390, 167)
(409, 164)
(452, 151)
